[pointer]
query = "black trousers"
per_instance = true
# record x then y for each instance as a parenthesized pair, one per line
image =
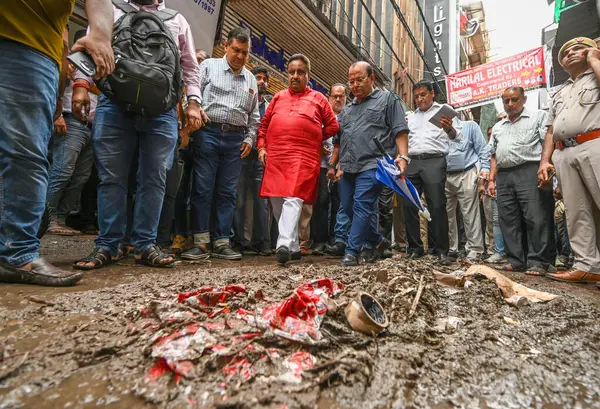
(319, 223)
(386, 212)
(182, 200)
(526, 215)
(334, 197)
(167, 213)
(429, 176)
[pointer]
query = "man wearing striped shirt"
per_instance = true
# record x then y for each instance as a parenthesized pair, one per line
(230, 100)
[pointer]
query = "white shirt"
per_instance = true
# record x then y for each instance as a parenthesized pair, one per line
(425, 137)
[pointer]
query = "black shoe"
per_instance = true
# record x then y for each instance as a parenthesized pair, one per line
(196, 253)
(444, 260)
(387, 254)
(382, 247)
(337, 249)
(283, 255)
(265, 250)
(41, 273)
(238, 248)
(415, 256)
(296, 255)
(369, 255)
(453, 254)
(349, 260)
(319, 249)
(226, 253)
(431, 251)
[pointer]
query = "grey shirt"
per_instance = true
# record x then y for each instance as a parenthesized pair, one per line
(519, 142)
(380, 115)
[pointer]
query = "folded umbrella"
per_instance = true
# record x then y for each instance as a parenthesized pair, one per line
(389, 174)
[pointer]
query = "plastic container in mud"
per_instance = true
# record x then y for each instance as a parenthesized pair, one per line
(366, 315)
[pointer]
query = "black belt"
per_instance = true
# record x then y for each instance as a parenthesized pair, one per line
(427, 156)
(227, 127)
(454, 172)
(68, 114)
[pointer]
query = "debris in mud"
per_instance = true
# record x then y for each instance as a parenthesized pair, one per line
(365, 314)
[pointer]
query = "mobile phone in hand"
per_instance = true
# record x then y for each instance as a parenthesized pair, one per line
(84, 62)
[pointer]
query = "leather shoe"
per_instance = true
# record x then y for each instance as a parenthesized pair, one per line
(382, 247)
(297, 255)
(283, 255)
(444, 260)
(575, 276)
(415, 256)
(349, 260)
(369, 255)
(337, 249)
(41, 273)
(319, 249)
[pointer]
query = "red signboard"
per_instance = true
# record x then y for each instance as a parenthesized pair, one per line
(483, 83)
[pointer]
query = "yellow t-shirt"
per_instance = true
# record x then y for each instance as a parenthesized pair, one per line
(38, 24)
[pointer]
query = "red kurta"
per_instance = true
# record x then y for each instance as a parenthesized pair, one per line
(293, 130)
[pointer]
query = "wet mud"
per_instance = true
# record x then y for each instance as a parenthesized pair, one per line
(81, 347)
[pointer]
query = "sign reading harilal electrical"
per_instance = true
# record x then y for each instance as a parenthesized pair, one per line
(485, 82)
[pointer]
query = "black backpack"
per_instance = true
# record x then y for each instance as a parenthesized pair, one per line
(147, 78)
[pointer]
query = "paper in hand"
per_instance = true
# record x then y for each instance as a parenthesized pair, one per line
(443, 110)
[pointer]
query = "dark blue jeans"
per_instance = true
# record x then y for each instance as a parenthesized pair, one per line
(116, 137)
(359, 193)
(25, 127)
(71, 168)
(217, 166)
(251, 176)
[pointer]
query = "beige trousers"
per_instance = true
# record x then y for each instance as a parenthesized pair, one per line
(304, 227)
(578, 172)
(461, 190)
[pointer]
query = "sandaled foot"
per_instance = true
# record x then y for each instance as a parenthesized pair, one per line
(60, 230)
(39, 272)
(97, 259)
(509, 267)
(123, 252)
(154, 257)
(535, 271)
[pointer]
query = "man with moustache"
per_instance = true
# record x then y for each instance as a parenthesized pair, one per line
(373, 114)
(290, 141)
(572, 146)
(526, 210)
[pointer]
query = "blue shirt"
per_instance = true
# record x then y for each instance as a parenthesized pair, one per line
(469, 149)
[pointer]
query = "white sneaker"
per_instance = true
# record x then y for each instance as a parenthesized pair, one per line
(496, 258)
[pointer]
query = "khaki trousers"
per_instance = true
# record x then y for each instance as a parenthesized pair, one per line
(304, 227)
(578, 172)
(461, 191)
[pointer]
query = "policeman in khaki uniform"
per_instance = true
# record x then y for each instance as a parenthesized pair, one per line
(572, 147)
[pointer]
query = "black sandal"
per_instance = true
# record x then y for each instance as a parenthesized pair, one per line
(100, 258)
(124, 251)
(153, 257)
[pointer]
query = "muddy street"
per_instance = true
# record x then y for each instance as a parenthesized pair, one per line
(134, 337)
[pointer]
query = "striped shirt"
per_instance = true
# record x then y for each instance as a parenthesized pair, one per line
(519, 142)
(228, 98)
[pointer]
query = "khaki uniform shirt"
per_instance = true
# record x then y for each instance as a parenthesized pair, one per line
(575, 109)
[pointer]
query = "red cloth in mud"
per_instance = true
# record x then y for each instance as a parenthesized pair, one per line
(293, 130)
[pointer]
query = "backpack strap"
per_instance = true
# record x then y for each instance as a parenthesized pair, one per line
(166, 14)
(124, 6)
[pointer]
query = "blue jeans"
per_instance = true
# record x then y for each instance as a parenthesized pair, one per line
(359, 193)
(217, 166)
(26, 120)
(498, 238)
(251, 176)
(116, 136)
(342, 226)
(71, 167)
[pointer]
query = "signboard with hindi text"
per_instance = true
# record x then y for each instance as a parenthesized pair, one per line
(203, 17)
(477, 86)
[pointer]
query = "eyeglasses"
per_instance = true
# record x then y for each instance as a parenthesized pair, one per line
(300, 73)
(356, 81)
(514, 100)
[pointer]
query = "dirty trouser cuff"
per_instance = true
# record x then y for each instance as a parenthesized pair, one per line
(202, 238)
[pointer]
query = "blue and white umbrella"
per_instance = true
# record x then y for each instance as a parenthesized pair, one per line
(389, 174)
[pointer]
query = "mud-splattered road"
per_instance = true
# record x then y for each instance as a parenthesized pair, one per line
(75, 347)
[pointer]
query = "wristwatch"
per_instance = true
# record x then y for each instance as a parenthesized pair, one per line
(331, 165)
(195, 98)
(406, 158)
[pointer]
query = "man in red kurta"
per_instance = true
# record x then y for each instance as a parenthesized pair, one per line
(291, 136)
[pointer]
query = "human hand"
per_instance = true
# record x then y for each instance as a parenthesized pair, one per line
(492, 188)
(80, 106)
(484, 175)
(446, 123)
(99, 47)
(593, 55)
(401, 164)
(338, 175)
(545, 173)
(262, 156)
(195, 116)
(326, 150)
(480, 188)
(60, 126)
(184, 133)
(246, 148)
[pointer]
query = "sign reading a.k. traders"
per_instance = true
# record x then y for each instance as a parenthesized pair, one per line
(478, 85)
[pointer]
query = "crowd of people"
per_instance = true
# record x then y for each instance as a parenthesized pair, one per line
(208, 164)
